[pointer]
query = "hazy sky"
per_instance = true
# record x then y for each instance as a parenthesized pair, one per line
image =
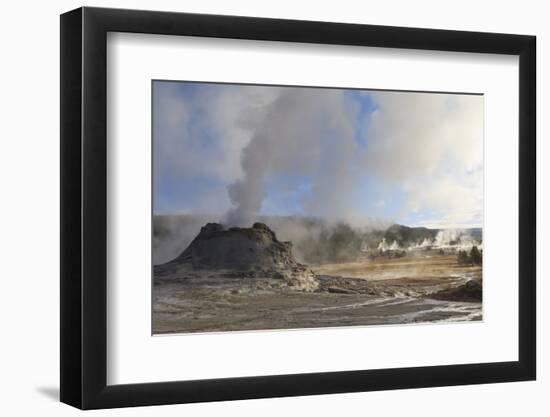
(243, 151)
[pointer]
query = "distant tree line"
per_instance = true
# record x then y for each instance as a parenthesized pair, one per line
(474, 257)
(406, 236)
(341, 244)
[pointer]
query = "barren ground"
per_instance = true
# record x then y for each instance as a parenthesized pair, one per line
(370, 292)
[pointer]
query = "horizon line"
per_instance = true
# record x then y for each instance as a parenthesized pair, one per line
(367, 219)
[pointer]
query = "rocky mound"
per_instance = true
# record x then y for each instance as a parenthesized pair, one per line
(471, 291)
(243, 252)
(238, 248)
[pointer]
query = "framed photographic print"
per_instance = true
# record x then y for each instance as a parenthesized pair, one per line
(258, 208)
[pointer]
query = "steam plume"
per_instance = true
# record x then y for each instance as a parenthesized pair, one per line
(304, 133)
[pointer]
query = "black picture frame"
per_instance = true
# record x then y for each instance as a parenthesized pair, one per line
(84, 207)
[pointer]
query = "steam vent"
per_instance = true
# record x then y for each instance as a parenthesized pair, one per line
(245, 252)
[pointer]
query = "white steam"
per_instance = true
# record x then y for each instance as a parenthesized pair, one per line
(431, 146)
(428, 145)
(306, 133)
(384, 246)
(428, 148)
(455, 239)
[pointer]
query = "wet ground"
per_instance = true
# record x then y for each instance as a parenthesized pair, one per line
(371, 292)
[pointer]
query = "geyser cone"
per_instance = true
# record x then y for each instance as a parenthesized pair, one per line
(238, 248)
(245, 252)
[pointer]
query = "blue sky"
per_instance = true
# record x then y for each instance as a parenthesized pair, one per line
(411, 158)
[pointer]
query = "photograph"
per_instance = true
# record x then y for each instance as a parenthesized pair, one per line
(292, 207)
(287, 206)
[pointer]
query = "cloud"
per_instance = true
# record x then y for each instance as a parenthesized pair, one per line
(430, 145)
(202, 129)
(199, 134)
